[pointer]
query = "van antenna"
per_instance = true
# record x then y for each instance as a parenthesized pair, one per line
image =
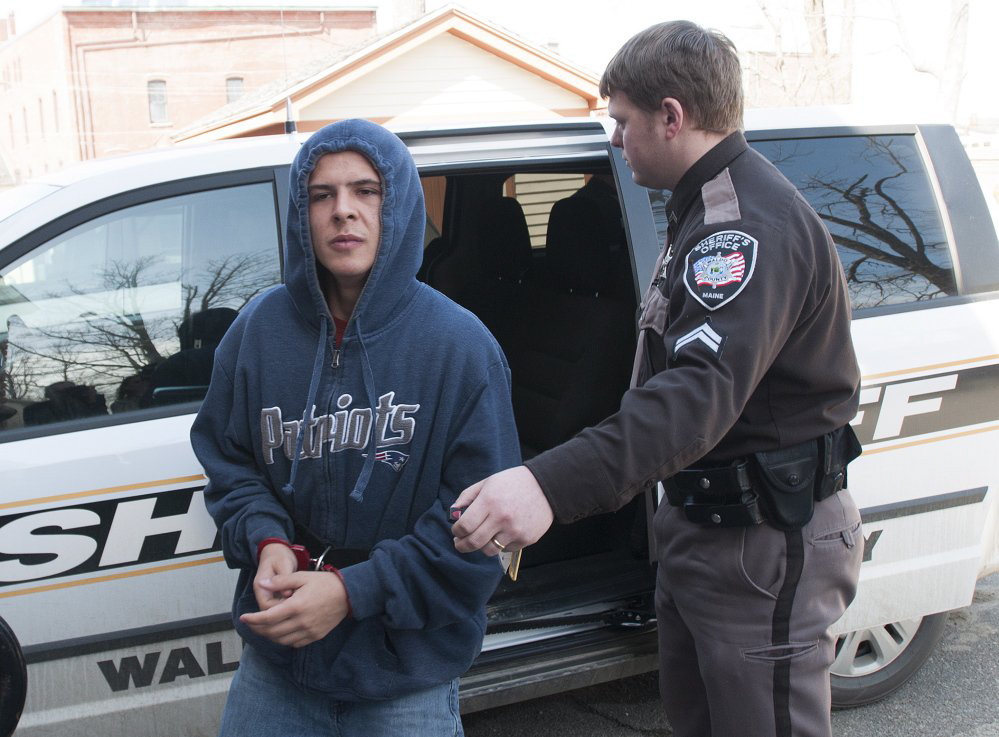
(289, 119)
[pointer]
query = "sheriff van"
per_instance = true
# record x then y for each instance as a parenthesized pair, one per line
(119, 277)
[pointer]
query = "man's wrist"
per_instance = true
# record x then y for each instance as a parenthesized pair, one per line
(300, 553)
(346, 592)
(271, 541)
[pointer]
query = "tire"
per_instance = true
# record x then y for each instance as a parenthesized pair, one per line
(872, 663)
(13, 680)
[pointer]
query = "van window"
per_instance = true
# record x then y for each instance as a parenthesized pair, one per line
(874, 195)
(124, 311)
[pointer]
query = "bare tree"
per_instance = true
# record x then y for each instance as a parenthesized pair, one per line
(819, 76)
(118, 338)
(948, 70)
(19, 376)
(232, 282)
(897, 249)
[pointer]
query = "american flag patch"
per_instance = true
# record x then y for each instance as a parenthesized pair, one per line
(718, 271)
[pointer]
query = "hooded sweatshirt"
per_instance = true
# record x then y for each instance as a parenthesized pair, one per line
(369, 443)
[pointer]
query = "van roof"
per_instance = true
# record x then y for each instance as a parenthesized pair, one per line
(433, 148)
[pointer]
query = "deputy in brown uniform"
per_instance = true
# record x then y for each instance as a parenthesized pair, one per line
(745, 381)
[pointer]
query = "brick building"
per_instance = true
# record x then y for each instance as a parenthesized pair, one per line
(94, 81)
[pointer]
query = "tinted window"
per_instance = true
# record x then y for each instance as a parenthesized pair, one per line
(875, 197)
(124, 312)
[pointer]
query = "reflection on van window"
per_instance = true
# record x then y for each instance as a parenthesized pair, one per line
(875, 197)
(124, 312)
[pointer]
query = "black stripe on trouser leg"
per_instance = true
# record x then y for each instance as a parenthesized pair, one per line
(780, 634)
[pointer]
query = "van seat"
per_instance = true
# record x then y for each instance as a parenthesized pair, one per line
(572, 352)
(502, 259)
(570, 356)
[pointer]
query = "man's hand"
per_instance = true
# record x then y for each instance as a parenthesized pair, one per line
(275, 560)
(308, 605)
(508, 508)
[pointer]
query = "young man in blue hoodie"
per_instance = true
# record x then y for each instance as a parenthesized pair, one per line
(329, 423)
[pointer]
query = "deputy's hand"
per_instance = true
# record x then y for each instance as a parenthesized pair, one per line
(508, 508)
(312, 604)
(275, 560)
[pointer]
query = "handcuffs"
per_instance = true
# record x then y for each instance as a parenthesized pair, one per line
(303, 560)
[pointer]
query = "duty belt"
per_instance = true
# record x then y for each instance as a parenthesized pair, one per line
(778, 486)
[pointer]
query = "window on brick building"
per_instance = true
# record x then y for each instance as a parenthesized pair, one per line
(233, 88)
(156, 89)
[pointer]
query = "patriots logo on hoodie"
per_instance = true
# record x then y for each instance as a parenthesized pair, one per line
(394, 458)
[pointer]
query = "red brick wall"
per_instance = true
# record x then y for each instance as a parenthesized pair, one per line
(75, 87)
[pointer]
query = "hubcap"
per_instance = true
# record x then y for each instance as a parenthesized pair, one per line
(867, 651)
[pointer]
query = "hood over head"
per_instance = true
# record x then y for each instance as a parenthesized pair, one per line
(403, 223)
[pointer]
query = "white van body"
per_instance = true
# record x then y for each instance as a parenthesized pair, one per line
(111, 575)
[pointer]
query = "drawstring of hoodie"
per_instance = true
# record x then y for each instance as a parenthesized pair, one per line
(310, 403)
(357, 494)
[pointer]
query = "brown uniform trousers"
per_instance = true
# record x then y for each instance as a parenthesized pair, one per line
(731, 606)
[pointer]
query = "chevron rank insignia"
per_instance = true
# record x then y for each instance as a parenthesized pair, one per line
(702, 334)
(719, 267)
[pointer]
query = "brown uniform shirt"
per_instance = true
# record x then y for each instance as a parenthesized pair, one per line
(744, 340)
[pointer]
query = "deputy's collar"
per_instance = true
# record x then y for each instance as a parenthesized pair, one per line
(701, 172)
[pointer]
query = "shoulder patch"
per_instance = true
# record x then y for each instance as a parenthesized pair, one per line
(719, 267)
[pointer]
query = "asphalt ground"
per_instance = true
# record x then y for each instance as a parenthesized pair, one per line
(955, 694)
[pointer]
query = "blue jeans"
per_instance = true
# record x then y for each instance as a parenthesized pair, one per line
(263, 701)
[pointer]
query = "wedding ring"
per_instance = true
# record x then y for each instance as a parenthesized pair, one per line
(498, 544)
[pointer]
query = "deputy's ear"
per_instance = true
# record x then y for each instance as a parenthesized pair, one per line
(671, 116)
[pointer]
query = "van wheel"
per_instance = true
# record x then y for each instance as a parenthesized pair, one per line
(872, 663)
(13, 680)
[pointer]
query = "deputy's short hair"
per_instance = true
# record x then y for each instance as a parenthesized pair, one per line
(697, 66)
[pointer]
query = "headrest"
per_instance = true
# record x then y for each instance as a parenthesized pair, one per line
(504, 241)
(577, 254)
(205, 328)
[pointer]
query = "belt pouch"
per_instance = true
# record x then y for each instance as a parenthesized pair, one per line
(786, 485)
